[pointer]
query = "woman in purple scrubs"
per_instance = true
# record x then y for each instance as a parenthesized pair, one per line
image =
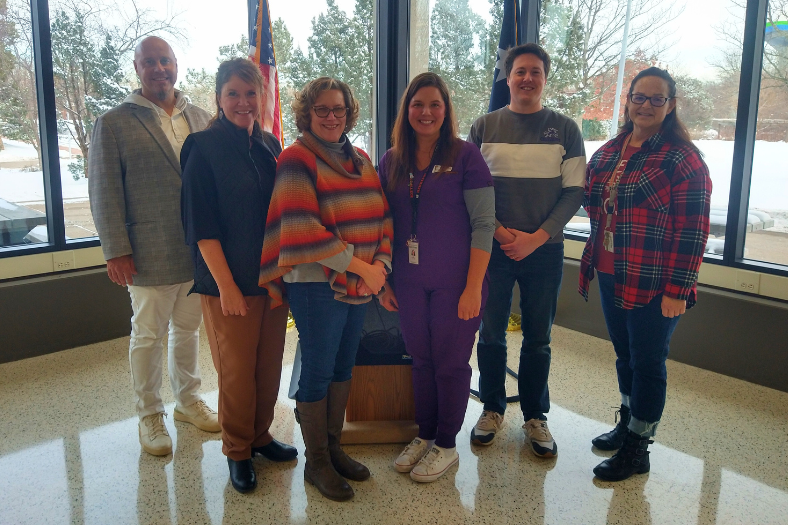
(440, 192)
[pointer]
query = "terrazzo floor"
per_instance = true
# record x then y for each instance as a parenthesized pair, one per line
(69, 453)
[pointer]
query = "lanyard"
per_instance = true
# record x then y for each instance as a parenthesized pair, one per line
(611, 204)
(414, 200)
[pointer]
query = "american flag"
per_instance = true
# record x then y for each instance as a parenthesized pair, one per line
(261, 52)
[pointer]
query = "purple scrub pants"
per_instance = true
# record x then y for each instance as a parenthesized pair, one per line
(440, 344)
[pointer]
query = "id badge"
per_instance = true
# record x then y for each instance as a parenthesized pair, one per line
(608, 242)
(413, 251)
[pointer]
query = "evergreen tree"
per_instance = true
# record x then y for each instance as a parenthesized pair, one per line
(460, 54)
(562, 35)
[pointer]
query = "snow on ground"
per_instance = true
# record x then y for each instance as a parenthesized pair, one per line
(769, 188)
(769, 181)
(20, 186)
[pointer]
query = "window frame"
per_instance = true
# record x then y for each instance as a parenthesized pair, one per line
(743, 148)
(392, 19)
(50, 155)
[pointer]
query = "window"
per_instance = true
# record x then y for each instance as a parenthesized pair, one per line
(22, 204)
(338, 43)
(704, 59)
(458, 39)
(767, 221)
(92, 52)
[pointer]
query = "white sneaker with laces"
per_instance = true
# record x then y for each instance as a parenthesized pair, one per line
(435, 463)
(412, 455)
(200, 415)
(154, 438)
(540, 438)
(489, 423)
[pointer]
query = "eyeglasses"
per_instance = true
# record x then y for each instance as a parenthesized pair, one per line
(657, 102)
(322, 111)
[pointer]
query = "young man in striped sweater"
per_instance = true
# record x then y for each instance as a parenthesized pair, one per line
(537, 160)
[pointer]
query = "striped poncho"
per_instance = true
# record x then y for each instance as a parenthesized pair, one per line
(319, 205)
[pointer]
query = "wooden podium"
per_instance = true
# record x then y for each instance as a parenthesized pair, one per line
(380, 408)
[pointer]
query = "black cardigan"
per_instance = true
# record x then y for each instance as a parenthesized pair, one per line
(226, 191)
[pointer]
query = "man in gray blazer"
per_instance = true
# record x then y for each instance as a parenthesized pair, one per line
(135, 190)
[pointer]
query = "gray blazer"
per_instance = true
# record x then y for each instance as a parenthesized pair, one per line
(134, 183)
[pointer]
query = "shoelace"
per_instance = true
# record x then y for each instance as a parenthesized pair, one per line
(155, 426)
(488, 421)
(544, 434)
(412, 449)
(430, 458)
(202, 409)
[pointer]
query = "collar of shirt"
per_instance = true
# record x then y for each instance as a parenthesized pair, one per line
(174, 126)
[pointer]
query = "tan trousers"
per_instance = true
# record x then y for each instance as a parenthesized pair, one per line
(247, 353)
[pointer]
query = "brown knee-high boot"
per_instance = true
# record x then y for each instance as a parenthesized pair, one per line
(318, 469)
(344, 464)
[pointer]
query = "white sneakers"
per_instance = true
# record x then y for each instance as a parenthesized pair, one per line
(426, 462)
(200, 415)
(411, 455)
(435, 463)
(154, 437)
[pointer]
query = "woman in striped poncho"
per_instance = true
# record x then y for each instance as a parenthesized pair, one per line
(327, 248)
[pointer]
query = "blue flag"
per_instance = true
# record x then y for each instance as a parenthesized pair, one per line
(510, 37)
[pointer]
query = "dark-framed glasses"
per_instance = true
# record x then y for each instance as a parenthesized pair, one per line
(323, 111)
(656, 101)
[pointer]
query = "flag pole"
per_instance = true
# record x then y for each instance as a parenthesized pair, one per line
(621, 66)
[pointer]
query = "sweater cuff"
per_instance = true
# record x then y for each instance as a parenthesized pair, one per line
(340, 261)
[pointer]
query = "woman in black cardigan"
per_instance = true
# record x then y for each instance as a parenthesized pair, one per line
(228, 177)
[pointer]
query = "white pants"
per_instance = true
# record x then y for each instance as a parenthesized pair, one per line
(155, 309)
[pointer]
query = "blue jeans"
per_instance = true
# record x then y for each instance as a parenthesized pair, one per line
(329, 332)
(641, 339)
(539, 277)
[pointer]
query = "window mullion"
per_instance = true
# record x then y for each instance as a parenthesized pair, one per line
(746, 123)
(47, 119)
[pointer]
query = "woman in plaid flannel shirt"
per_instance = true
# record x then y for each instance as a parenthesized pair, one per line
(647, 196)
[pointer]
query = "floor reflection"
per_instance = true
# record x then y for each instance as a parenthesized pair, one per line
(69, 453)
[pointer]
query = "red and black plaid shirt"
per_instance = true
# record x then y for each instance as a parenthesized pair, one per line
(662, 223)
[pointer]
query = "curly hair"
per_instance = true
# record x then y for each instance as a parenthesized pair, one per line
(242, 68)
(305, 99)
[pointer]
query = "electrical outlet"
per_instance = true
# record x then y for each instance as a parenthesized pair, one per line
(62, 261)
(749, 282)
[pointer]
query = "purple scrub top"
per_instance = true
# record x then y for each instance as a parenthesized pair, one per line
(444, 226)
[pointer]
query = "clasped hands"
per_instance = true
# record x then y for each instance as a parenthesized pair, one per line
(517, 245)
(372, 278)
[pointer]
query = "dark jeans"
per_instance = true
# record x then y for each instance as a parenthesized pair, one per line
(329, 332)
(641, 339)
(539, 278)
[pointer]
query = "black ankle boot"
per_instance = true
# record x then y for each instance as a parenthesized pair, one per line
(242, 475)
(615, 438)
(632, 458)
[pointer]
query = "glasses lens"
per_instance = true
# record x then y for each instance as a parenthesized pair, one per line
(637, 98)
(322, 111)
(658, 101)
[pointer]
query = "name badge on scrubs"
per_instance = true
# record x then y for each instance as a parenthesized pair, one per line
(413, 251)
